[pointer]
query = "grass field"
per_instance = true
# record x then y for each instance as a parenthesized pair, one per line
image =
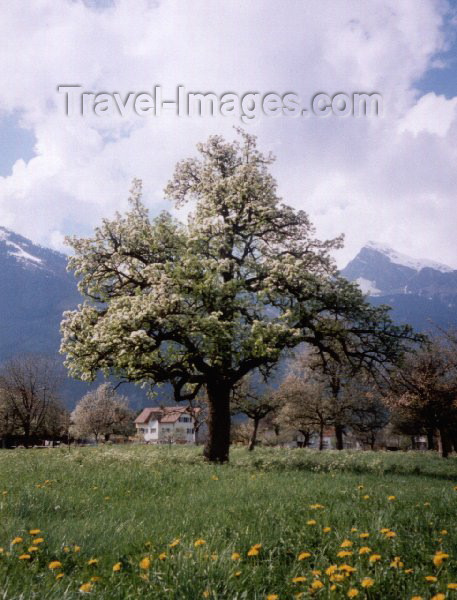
(146, 522)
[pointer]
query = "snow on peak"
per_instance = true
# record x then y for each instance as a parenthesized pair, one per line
(21, 254)
(407, 261)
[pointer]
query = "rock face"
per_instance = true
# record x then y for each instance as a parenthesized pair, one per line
(420, 292)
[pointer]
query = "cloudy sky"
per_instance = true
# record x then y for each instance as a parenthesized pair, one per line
(391, 179)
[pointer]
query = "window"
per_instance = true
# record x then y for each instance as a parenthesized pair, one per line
(184, 419)
(190, 431)
(153, 429)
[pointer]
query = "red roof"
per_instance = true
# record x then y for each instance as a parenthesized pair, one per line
(164, 414)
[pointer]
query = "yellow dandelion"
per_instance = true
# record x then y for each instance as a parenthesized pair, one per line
(397, 563)
(338, 577)
(316, 506)
(353, 529)
(438, 597)
(346, 544)
(76, 548)
(426, 503)
(54, 564)
(34, 531)
(364, 535)
(391, 498)
(452, 586)
(439, 558)
(327, 529)
(66, 549)
(333, 587)
(347, 568)
(311, 522)
(417, 598)
(367, 582)
(117, 567)
(391, 534)
(95, 578)
(374, 558)
(145, 563)
(17, 540)
(235, 556)
(331, 569)
(199, 542)
(253, 551)
(304, 555)
(366, 497)
(299, 579)
(37, 541)
(317, 585)
(163, 556)
(174, 543)
(272, 597)
(344, 553)
(25, 557)
(59, 576)
(352, 593)
(316, 572)
(206, 594)
(32, 549)
(444, 532)
(85, 588)
(431, 578)
(408, 571)
(237, 573)
(92, 561)
(364, 550)
(215, 478)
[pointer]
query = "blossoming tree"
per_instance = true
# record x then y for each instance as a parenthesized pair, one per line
(201, 305)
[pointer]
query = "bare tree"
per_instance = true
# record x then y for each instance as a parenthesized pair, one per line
(305, 408)
(424, 391)
(29, 387)
(102, 412)
(255, 403)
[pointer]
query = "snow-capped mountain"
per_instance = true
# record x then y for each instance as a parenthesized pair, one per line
(421, 292)
(35, 289)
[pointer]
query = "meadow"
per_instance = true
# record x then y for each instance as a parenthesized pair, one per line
(145, 522)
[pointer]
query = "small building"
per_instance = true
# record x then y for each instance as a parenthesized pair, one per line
(166, 425)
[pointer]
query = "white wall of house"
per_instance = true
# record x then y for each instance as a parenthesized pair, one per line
(181, 430)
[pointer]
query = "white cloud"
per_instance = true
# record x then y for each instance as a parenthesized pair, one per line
(390, 179)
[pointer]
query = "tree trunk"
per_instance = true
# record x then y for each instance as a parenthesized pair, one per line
(26, 435)
(254, 435)
(454, 440)
(218, 442)
(430, 440)
(339, 437)
(321, 437)
(306, 438)
(372, 441)
(445, 445)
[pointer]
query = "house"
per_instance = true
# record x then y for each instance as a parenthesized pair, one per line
(167, 424)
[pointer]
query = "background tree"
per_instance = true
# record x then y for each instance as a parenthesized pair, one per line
(254, 402)
(29, 392)
(102, 412)
(305, 407)
(369, 415)
(424, 392)
(203, 305)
